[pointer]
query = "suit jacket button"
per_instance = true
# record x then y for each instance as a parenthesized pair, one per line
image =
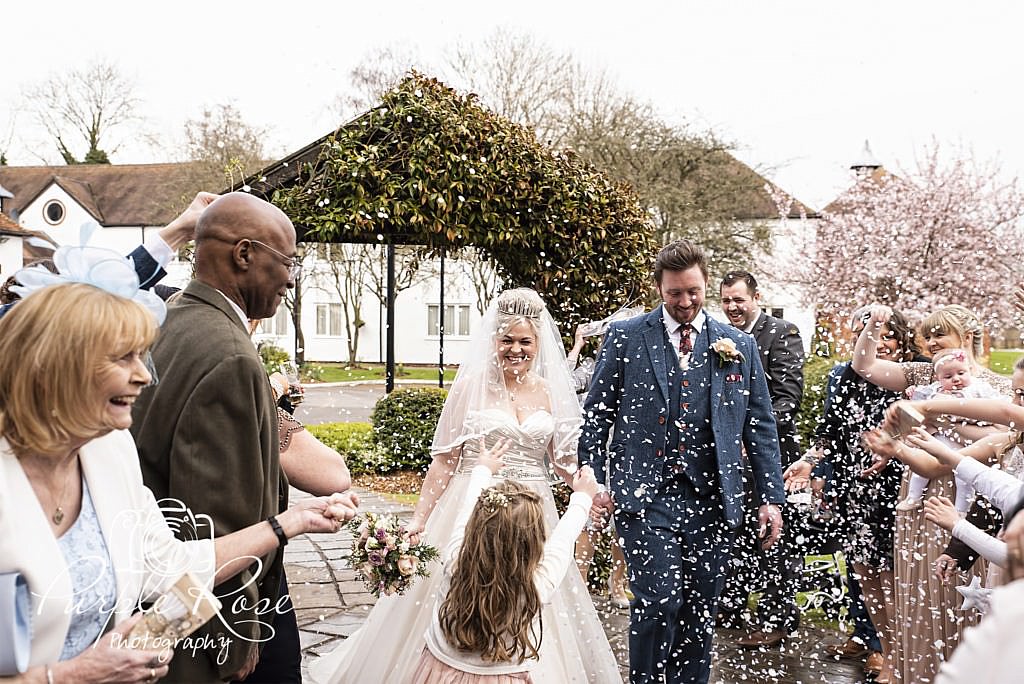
(661, 420)
(686, 383)
(682, 449)
(657, 453)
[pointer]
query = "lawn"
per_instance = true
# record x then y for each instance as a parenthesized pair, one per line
(338, 372)
(1002, 360)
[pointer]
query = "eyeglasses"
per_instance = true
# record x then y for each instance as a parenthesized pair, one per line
(294, 263)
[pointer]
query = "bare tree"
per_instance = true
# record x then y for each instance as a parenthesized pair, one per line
(377, 73)
(482, 275)
(228, 147)
(84, 106)
(520, 78)
(345, 267)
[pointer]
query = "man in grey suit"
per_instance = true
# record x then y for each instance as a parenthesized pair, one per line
(683, 393)
(774, 573)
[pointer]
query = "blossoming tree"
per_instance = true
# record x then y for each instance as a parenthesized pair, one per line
(946, 232)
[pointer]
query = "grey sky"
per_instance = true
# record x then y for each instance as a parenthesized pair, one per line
(799, 85)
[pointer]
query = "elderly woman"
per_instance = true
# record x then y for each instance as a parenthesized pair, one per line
(76, 522)
(927, 624)
(865, 504)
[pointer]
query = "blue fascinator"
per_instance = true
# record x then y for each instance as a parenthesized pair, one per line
(96, 266)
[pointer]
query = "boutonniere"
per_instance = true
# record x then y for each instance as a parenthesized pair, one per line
(726, 350)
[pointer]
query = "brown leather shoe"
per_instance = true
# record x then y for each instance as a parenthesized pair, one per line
(851, 648)
(759, 639)
(874, 664)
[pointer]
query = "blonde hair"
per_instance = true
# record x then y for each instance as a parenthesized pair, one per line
(958, 320)
(492, 612)
(55, 343)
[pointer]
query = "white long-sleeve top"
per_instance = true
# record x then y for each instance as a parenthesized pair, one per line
(993, 651)
(558, 555)
(998, 486)
(991, 549)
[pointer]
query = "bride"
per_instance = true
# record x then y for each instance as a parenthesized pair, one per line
(514, 386)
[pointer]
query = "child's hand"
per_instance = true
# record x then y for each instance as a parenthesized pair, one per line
(493, 458)
(585, 482)
(941, 511)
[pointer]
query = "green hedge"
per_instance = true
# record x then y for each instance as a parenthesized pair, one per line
(272, 356)
(403, 427)
(816, 370)
(354, 441)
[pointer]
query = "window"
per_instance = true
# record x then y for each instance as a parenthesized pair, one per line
(278, 325)
(456, 319)
(53, 212)
(328, 319)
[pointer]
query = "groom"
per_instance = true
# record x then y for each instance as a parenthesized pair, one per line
(682, 392)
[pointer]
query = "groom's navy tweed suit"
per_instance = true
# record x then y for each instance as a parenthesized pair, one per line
(674, 470)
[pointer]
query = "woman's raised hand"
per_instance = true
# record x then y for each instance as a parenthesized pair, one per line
(884, 447)
(922, 439)
(941, 511)
(879, 315)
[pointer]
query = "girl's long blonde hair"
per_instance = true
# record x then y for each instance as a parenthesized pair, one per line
(491, 608)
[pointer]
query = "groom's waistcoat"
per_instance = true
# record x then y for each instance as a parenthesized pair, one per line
(690, 440)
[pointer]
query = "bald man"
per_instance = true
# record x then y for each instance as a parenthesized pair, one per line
(207, 433)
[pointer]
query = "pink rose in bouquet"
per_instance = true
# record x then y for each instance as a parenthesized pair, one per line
(384, 557)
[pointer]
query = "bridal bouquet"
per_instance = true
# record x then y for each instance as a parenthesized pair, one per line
(382, 555)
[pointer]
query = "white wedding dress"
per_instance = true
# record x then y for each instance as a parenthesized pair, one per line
(388, 646)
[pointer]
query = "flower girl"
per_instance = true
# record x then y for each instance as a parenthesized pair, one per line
(487, 630)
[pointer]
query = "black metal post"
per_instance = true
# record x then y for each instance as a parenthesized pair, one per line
(390, 367)
(440, 344)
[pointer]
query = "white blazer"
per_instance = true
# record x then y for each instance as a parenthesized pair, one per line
(146, 556)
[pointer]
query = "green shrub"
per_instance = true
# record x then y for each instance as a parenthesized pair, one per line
(354, 441)
(272, 356)
(311, 372)
(403, 426)
(816, 370)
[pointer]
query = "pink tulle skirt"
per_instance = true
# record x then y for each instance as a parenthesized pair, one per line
(430, 670)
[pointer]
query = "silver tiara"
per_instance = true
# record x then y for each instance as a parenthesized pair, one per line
(519, 307)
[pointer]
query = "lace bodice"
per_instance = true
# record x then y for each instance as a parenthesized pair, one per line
(526, 458)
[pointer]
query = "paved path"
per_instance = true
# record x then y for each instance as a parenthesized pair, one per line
(331, 603)
(331, 402)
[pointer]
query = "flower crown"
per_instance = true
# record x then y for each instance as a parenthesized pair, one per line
(493, 499)
(96, 266)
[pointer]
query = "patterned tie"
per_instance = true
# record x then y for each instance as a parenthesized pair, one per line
(685, 343)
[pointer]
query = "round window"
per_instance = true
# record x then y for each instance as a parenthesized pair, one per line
(54, 212)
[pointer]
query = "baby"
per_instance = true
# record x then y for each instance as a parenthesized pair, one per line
(952, 372)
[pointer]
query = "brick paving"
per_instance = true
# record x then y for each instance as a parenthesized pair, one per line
(331, 603)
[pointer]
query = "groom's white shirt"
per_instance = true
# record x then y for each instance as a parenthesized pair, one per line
(674, 327)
